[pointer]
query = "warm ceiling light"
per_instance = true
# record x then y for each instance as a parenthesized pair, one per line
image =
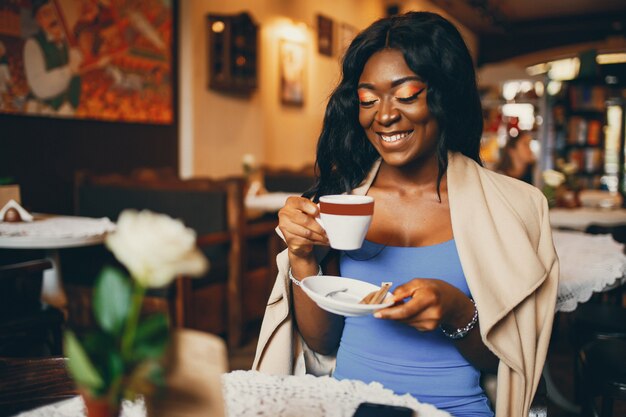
(525, 113)
(537, 69)
(554, 87)
(561, 69)
(614, 58)
(218, 26)
(293, 32)
(564, 69)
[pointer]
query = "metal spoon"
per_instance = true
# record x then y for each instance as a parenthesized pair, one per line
(333, 292)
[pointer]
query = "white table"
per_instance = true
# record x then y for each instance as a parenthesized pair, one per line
(268, 202)
(51, 233)
(252, 394)
(589, 263)
(583, 217)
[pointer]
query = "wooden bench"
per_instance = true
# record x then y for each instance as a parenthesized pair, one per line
(215, 210)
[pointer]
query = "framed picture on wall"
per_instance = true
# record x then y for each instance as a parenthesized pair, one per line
(324, 35)
(104, 60)
(346, 33)
(292, 62)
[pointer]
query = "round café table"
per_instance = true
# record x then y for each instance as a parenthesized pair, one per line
(588, 264)
(253, 394)
(51, 233)
(581, 218)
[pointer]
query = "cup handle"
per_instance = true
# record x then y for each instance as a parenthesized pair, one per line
(318, 218)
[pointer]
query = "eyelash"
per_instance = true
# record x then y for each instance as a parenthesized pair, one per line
(410, 98)
(403, 100)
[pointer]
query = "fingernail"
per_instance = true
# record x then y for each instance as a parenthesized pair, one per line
(378, 315)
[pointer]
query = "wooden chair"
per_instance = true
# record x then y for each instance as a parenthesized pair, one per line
(215, 210)
(604, 375)
(27, 328)
(27, 383)
(288, 180)
(591, 322)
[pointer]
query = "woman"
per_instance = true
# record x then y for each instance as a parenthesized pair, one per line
(517, 158)
(404, 126)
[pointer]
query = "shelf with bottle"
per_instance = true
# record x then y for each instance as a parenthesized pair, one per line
(579, 120)
(587, 98)
(585, 131)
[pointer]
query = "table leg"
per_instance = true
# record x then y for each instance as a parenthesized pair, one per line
(52, 291)
(554, 395)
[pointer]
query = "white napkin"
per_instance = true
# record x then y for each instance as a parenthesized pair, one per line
(25, 216)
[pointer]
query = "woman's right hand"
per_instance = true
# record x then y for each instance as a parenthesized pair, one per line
(296, 221)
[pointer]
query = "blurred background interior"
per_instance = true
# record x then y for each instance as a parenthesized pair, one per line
(193, 108)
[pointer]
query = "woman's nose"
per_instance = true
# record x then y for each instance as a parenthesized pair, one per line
(387, 113)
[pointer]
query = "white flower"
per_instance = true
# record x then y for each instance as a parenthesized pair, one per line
(553, 178)
(155, 248)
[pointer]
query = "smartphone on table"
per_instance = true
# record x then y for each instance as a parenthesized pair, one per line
(383, 410)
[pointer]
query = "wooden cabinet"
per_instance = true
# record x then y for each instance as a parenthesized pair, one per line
(232, 41)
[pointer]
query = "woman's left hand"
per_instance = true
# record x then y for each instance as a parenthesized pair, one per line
(431, 303)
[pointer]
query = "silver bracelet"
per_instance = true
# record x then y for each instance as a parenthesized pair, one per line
(463, 331)
(297, 282)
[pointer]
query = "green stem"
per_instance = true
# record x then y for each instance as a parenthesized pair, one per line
(131, 325)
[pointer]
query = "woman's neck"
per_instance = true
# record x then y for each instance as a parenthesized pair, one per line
(416, 175)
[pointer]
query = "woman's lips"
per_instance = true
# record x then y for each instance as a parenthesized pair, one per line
(395, 136)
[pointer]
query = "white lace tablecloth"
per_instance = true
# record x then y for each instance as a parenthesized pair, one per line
(253, 394)
(54, 232)
(249, 393)
(582, 217)
(74, 407)
(589, 263)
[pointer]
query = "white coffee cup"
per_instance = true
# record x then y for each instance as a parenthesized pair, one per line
(346, 219)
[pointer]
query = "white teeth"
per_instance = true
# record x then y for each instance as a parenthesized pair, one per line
(395, 137)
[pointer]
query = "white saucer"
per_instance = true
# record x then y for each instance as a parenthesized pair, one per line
(344, 303)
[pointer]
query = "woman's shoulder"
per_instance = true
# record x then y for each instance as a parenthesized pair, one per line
(505, 197)
(524, 199)
(520, 196)
(511, 185)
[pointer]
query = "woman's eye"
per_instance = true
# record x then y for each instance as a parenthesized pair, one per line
(367, 99)
(411, 98)
(367, 103)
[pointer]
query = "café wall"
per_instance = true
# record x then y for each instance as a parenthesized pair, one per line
(217, 129)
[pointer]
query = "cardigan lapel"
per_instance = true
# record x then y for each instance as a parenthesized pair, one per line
(487, 228)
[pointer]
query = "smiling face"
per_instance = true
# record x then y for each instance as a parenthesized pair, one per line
(393, 110)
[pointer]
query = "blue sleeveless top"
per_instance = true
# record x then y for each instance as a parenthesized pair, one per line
(426, 365)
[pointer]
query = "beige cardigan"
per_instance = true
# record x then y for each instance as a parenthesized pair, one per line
(502, 233)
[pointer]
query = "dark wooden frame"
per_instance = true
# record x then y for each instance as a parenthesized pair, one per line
(325, 39)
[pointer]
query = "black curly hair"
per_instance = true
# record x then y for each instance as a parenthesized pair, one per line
(433, 49)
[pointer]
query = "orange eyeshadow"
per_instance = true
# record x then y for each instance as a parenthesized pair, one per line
(409, 90)
(366, 96)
